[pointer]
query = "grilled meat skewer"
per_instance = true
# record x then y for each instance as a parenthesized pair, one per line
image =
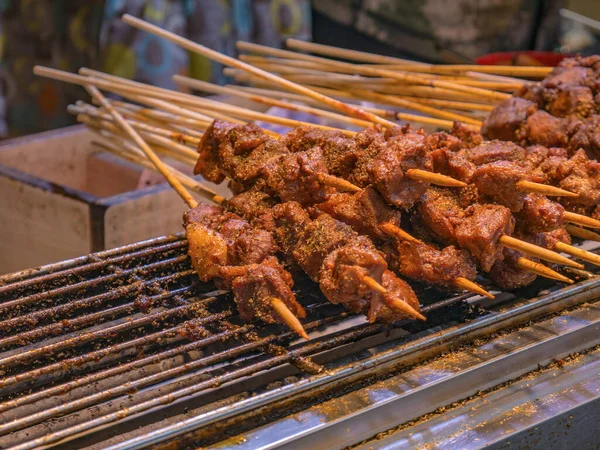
(299, 175)
(226, 249)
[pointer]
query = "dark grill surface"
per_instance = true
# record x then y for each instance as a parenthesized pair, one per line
(89, 347)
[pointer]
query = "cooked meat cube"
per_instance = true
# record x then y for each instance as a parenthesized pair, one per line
(587, 137)
(339, 151)
(543, 129)
(539, 214)
(505, 273)
(396, 289)
(506, 119)
(572, 76)
(262, 282)
(581, 175)
(425, 263)
(208, 161)
(566, 101)
(452, 164)
(321, 237)
(207, 249)
(498, 181)
(388, 169)
(440, 213)
(251, 203)
(467, 137)
(294, 176)
(364, 211)
(533, 92)
(343, 270)
(492, 151)
(480, 232)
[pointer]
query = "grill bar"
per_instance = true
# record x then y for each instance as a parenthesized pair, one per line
(137, 322)
(408, 355)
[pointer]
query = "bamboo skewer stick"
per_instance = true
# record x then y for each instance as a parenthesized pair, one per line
(138, 157)
(393, 303)
(468, 285)
(288, 317)
(582, 233)
(299, 67)
(371, 58)
(343, 53)
(208, 87)
(582, 220)
(539, 252)
(372, 71)
(446, 124)
(544, 189)
(91, 111)
(541, 270)
(388, 99)
(158, 98)
(231, 62)
(167, 144)
(578, 253)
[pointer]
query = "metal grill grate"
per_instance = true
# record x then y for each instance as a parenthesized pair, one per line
(90, 346)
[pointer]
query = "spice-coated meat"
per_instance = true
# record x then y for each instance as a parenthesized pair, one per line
(477, 227)
(336, 257)
(225, 248)
(427, 264)
(539, 214)
(364, 211)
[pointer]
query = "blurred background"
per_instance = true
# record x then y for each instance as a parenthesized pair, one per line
(69, 34)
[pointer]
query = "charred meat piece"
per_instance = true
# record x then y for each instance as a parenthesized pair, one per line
(336, 257)
(294, 176)
(507, 118)
(570, 101)
(225, 248)
(477, 227)
(480, 232)
(498, 181)
(427, 264)
(507, 275)
(388, 169)
(539, 214)
(339, 151)
(364, 211)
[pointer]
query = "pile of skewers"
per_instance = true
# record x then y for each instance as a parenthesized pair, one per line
(353, 210)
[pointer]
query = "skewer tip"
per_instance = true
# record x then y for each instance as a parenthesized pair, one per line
(468, 285)
(434, 178)
(394, 303)
(544, 189)
(288, 317)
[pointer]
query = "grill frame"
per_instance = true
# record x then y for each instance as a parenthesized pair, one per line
(408, 350)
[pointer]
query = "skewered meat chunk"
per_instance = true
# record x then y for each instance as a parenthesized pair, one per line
(543, 129)
(364, 211)
(506, 119)
(567, 101)
(340, 152)
(336, 257)
(225, 248)
(507, 274)
(477, 227)
(498, 181)
(294, 176)
(539, 214)
(427, 264)
(388, 169)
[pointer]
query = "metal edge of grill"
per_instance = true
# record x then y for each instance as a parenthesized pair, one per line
(135, 320)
